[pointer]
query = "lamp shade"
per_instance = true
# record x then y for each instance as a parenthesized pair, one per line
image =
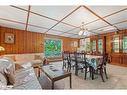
(85, 32)
(2, 48)
(80, 32)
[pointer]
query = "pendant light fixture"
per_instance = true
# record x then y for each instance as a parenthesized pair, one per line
(83, 31)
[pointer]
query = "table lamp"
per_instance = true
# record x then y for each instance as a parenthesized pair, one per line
(2, 49)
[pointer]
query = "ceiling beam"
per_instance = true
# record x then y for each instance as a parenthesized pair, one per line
(115, 12)
(99, 17)
(12, 21)
(103, 26)
(27, 20)
(109, 25)
(70, 24)
(66, 23)
(64, 18)
(106, 16)
(31, 25)
(43, 16)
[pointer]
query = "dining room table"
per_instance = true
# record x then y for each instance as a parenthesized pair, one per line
(94, 60)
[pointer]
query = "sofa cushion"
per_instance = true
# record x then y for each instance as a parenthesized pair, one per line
(12, 57)
(9, 72)
(36, 61)
(8, 69)
(3, 64)
(27, 65)
(23, 58)
(3, 79)
(18, 66)
(11, 63)
(36, 57)
(26, 79)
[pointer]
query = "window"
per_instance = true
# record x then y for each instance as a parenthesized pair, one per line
(100, 46)
(94, 45)
(125, 44)
(87, 45)
(116, 44)
(82, 44)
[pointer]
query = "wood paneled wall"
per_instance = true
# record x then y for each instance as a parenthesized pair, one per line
(30, 42)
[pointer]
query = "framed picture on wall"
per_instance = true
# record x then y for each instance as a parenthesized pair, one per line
(9, 38)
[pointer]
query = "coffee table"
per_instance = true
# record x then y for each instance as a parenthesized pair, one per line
(55, 74)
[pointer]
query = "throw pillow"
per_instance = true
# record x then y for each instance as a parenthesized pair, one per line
(18, 66)
(9, 72)
(36, 57)
(8, 68)
(3, 79)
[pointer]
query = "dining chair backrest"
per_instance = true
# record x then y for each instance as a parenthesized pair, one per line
(80, 56)
(65, 55)
(105, 58)
(72, 56)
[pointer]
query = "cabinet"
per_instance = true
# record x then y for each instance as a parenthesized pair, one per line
(119, 49)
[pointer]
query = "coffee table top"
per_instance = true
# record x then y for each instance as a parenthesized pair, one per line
(54, 73)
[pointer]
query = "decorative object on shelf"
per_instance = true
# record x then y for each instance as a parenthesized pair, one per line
(2, 49)
(83, 31)
(74, 44)
(9, 38)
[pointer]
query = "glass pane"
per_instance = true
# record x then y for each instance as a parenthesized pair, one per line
(93, 46)
(116, 44)
(82, 45)
(87, 45)
(100, 46)
(125, 44)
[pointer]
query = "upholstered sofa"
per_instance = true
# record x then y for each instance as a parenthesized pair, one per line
(25, 58)
(21, 78)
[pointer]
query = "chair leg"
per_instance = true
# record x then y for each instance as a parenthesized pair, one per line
(76, 70)
(82, 70)
(101, 73)
(85, 73)
(67, 67)
(73, 67)
(63, 65)
(105, 73)
(92, 72)
(70, 67)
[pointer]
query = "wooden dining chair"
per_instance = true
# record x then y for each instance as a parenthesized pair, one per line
(105, 58)
(101, 68)
(71, 61)
(81, 63)
(65, 55)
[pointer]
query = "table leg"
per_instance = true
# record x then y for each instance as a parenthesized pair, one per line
(52, 84)
(70, 81)
(76, 70)
(92, 73)
(39, 72)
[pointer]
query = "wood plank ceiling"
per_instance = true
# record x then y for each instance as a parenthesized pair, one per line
(64, 20)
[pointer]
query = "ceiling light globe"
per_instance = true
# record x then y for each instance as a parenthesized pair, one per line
(80, 32)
